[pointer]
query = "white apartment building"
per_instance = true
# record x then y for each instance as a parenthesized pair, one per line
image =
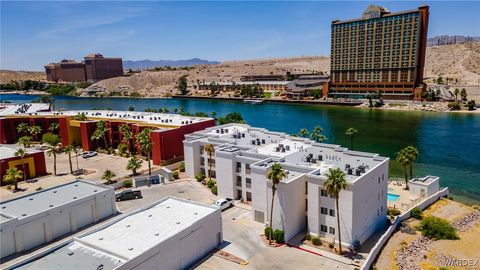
(242, 158)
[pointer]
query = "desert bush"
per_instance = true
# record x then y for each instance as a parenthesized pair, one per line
(417, 213)
(175, 175)
(316, 241)
(279, 236)
(331, 245)
(393, 212)
(127, 183)
(181, 168)
(200, 177)
(437, 228)
(210, 183)
(267, 231)
(214, 190)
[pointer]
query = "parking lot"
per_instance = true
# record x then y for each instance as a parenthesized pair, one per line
(96, 166)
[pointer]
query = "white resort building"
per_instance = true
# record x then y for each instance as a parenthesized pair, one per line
(242, 158)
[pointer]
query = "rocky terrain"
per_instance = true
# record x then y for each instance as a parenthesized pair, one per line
(457, 61)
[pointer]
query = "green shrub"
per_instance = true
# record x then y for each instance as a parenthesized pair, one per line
(39, 188)
(181, 168)
(308, 237)
(393, 212)
(210, 183)
(417, 213)
(214, 190)
(200, 177)
(437, 228)
(279, 236)
(127, 183)
(267, 231)
(175, 175)
(454, 106)
(316, 241)
(331, 245)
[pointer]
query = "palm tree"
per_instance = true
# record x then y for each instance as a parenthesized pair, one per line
(276, 174)
(53, 144)
(412, 154)
(403, 159)
(127, 136)
(22, 153)
(23, 128)
(456, 93)
(12, 176)
(53, 126)
(80, 117)
(351, 132)
(69, 149)
(463, 94)
(100, 133)
(213, 114)
(108, 175)
(210, 149)
(26, 141)
(335, 183)
(146, 145)
(34, 131)
(317, 135)
(303, 133)
(134, 164)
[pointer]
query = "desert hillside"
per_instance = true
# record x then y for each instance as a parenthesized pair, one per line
(457, 61)
(8, 75)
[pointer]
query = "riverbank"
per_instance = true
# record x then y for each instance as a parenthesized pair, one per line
(281, 101)
(20, 92)
(416, 106)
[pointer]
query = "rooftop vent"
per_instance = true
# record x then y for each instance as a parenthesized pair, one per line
(75, 198)
(54, 191)
(51, 205)
(31, 199)
(128, 226)
(178, 222)
(130, 248)
(24, 215)
(157, 234)
(100, 238)
(195, 213)
(70, 253)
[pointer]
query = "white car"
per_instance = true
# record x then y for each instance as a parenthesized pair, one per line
(223, 203)
(89, 154)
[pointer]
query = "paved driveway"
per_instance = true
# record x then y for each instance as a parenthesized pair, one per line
(241, 233)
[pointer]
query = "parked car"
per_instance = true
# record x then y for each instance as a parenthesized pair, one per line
(128, 194)
(89, 154)
(41, 147)
(223, 203)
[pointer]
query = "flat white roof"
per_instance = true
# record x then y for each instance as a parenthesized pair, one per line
(8, 150)
(144, 117)
(296, 151)
(139, 232)
(15, 108)
(47, 199)
(125, 238)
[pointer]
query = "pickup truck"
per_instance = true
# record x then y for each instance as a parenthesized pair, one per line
(128, 195)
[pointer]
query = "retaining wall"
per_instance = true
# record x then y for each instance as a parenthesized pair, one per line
(372, 256)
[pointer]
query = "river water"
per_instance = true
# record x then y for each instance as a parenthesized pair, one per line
(449, 143)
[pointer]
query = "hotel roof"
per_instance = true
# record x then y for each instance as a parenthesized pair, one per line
(141, 117)
(124, 238)
(15, 108)
(41, 201)
(298, 152)
(8, 150)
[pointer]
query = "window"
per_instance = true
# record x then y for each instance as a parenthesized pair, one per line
(247, 168)
(202, 161)
(324, 193)
(332, 230)
(324, 211)
(239, 166)
(323, 228)
(306, 187)
(249, 182)
(239, 181)
(249, 196)
(332, 212)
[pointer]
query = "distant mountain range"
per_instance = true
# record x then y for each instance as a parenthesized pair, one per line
(147, 63)
(448, 40)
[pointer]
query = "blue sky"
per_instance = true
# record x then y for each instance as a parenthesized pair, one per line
(36, 33)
